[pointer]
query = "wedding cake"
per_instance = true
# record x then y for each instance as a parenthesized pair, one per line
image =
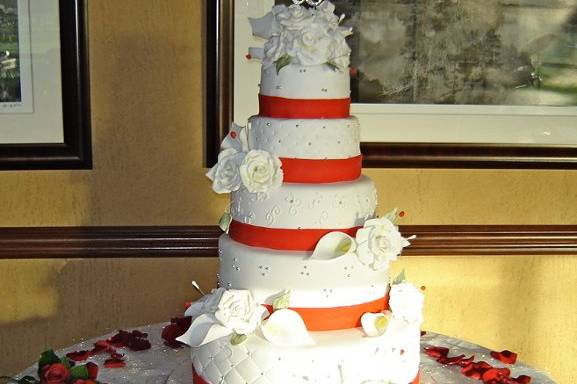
(304, 293)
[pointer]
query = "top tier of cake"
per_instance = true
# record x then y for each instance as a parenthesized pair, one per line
(305, 63)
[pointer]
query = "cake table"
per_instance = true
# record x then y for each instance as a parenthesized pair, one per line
(161, 364)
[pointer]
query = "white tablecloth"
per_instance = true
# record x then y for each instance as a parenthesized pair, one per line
(161, 364)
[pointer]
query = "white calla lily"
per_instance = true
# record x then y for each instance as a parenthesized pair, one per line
(203, 330)
(286, 327)
(334, 245)
(375, 324)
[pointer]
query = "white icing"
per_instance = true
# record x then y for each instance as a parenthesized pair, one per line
(337, 357)
(321, 82)
(313, 283)
(292, 206)
(306, 138)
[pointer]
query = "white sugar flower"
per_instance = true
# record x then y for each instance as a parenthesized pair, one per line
(206, 304)
(285, 327)
(261, 171)
(238, 311)
(225, 175)
(306, 36)
(406, 302)
(379, 242)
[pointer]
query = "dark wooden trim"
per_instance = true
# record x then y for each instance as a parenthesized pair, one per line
(75, 152)
(219, 74)
(429, 155)
(219, 115)
(202, 241)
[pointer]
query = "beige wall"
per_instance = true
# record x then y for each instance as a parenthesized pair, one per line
(147, 132)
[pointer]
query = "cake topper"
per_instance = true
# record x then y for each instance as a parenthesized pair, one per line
(312, 3)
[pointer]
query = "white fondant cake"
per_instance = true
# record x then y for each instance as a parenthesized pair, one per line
(305, 82)
(343, 281)
(306, 138)
(304, 293)
(296, 206)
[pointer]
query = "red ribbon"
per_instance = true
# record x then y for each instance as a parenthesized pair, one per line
(280, 238)
(319, 171)
(196, 379)
(279, 107)
(337, 318)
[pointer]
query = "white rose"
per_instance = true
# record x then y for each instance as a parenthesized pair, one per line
(206, 304)
(326, 13)
(238, 311)
(311, 46)
(225, 174)
(274, 49)
(295, 17)
(406, 302)
(260, 171)
(379, 242)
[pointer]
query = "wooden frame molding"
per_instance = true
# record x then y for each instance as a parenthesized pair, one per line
(202, 241)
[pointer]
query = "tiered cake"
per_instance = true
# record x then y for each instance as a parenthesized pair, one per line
(304, 293)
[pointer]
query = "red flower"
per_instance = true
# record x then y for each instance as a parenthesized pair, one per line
(54, 374)
(505, 356)
(84, 381)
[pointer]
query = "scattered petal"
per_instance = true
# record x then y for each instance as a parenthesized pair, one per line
(505, 356)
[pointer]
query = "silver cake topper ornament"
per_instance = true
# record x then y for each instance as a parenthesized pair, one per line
(312, 3)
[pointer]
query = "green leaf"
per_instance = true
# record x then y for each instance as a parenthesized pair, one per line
(282, 301)
(333, 66)
(237, 339)
(225, 221)
(401, 278)
(282, 62)
(48, 358)
(66, 362)
(79, 372)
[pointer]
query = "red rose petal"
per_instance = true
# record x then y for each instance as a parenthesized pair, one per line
(102, 346)
(437, 352)
(505, 356)
(114, 363)
(92, 370)
(137, 333)
(495, 375)
(248, 56)
(116, 356)
(455, 360)
(139, 345)
(79, 355)
(523, 379)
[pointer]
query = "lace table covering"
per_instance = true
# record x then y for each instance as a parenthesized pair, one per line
(164, 365)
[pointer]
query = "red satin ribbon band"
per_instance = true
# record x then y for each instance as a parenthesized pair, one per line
(313, 171)
(282, 108)
(338, 318)
(280, 238)
(196, 379)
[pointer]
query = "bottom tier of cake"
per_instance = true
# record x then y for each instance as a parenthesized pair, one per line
(337, 357)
